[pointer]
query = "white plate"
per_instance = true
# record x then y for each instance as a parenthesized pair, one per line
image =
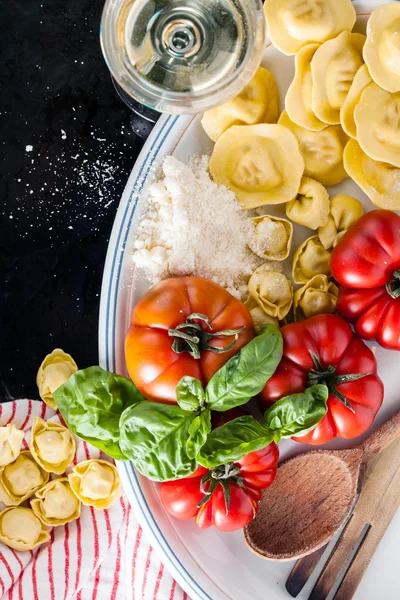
(207, 564)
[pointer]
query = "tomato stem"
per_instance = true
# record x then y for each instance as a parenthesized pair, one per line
(192, 338)
(328, 377)
(393, 286)
(221, 475)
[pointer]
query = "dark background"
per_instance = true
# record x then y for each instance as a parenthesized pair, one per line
(66, 150)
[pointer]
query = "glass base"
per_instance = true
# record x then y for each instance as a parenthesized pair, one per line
(142, 118)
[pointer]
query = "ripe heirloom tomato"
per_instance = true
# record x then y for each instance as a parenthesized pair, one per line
(367, 262)
(204, 495)
(213, 323)
(323, 349)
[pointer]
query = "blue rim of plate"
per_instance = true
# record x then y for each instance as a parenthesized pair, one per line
(147, 162)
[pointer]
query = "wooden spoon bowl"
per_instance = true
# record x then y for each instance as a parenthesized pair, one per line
(311, 497)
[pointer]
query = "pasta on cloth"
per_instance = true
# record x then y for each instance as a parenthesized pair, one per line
(102, 556)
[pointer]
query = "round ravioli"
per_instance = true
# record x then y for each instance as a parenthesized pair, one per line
(55, 370)
(377, 118)
(382, 48)
(10, 443)
(333, 67)
(311, 206)
(360, 82)
(272, 291)
(21, 529)
(294, 23)
(256, 103)
(298, 101)
(95, 483)
(56, 504)
(258, 315)
(261, 164)
(322, 151)
(378, 180)
(52, 445)
(21, 479)
(272, 237)
(310, 259)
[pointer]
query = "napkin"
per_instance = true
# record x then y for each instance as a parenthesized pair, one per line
(104, 555)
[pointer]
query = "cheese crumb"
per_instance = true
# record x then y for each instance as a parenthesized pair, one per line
(195, 227)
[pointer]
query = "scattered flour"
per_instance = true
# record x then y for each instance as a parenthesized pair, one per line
(194, 226)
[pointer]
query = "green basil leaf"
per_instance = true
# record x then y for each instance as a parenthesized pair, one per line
(91, 403)
(198, 432)
(299, 413)
(247, 372)
(154, 436)
(232, 441)
(190, 393)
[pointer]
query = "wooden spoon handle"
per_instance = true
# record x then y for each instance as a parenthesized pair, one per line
(381, 437)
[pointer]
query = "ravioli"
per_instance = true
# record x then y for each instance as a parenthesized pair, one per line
(361, 80)
(21, 479)
(52, 445)
(21, 530)
(343, 213)
(256, 103)
(10, 443)
(378, 180)
(377, 118)
(272, 291)
(311, 206)
(382, 48)
(56, 504)
(333, 67)
(294, 23)
(298, 101)
(310, 259)
(253, 162)
(318, 296)
(55, 370)
(259, 316)
(322, 151)
(272, 237)
(95, 483)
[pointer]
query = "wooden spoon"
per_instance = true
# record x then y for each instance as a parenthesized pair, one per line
(311, 497)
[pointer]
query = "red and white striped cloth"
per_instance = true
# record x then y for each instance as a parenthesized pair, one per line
(101, 556)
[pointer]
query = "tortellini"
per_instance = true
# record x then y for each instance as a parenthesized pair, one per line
(333, 67)
(261, 164)
(272, 237)
(21, 479)
(310, 259)
(56, 504)
(272, 291)
(298, 101)
(256, 103)
(377, 118)
(95, 483)
(318, 296)
(360, 82)
(322, 151)
(52, 445)
(258, 315)
(55, 370)
(294, 23)
(378, 180)
(344, 212)
(382, 48)
(21, 529)
(311, 207)
(10, 443)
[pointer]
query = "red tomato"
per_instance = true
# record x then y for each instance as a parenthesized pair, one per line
(367, 263)
(245, 478)
(340, 352)
(153, 365)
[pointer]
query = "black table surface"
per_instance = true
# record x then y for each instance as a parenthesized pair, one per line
(66, 150)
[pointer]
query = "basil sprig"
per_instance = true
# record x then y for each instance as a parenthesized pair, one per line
(292, 415)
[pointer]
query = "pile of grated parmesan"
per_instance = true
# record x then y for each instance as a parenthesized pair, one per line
(195, 227)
